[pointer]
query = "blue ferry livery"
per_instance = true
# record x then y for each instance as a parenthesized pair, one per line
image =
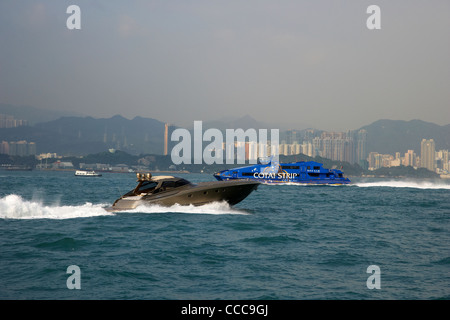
(304, 172)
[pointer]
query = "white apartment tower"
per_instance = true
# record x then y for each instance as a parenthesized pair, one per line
(427, 154)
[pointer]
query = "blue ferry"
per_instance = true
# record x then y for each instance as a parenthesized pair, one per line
(304, 172)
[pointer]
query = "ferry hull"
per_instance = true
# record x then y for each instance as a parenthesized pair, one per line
(290, 181)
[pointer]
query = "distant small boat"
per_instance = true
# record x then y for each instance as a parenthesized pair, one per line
(83, 173)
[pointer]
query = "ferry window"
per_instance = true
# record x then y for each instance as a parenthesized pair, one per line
(308, 167)
(247, 174)
(313, 174)
(290, 167)
(316, 168)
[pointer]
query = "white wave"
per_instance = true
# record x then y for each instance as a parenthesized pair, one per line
(303, 184)
(15, 207)
(211, 208)
(287, 184)
(404, 184)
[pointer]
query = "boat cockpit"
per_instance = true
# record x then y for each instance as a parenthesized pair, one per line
(152, 185)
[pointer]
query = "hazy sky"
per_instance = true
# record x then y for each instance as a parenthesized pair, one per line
(309, 62)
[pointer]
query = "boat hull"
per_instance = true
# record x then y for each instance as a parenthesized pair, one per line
(203, 193)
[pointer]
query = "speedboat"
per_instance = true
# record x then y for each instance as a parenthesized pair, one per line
(272, 172)
(169, 190)
(84, 173)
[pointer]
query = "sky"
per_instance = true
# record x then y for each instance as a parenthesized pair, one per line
(291, 62)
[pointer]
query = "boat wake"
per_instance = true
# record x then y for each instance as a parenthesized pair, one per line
(15, 207)
(302, 184)
(368, 184)
(211, 208)
(404, 184)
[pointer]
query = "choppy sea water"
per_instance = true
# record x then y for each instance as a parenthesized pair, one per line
(286, 242)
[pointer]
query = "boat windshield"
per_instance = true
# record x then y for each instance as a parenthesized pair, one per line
(174, 184)
(146, 187)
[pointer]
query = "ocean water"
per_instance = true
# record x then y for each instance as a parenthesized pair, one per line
(283, 242)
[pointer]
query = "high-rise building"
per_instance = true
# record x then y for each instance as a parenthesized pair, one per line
(361, 147)
(18, 148)
(445, 161)
(32, 149)
(377, 160)
(410, 158)
(427, 154)
(292, 136)
(442, 162)
(349, 150)
(4, 147)
(8, 121)
(317, 147)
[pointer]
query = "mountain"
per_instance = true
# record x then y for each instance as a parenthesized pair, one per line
(32, 114)
(85, 135)
(76, 135)
(248, 122)
(245, 122)
(390, 136)
(139, 135)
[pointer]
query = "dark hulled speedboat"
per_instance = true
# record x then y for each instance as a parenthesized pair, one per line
(168, 190)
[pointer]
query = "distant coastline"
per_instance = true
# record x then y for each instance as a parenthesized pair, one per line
(122, 162)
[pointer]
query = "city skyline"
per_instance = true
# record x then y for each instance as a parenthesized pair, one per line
(429, 158)
(289, 63)
(350, 147)
(345, 146)
(327, 147)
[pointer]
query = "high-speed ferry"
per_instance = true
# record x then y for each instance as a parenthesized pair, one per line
(268, 171)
